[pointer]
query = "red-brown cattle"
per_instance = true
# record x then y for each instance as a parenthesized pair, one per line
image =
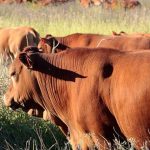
(87, 3)
(50, 44)
(94, 93)
(122, 33)
(12, 40)
(110, 4)
(127, 4)
(47, 2)
(125, 43)
(14, 1)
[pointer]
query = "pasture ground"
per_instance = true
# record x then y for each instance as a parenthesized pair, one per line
(19, 131)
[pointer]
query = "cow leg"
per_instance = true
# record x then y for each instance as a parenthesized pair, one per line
(81, 140)
(73, 140)
(79, 143)
(101, 143)
(88, 142)
(55, 120)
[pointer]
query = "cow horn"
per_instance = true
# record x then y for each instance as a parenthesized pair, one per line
(54, 46)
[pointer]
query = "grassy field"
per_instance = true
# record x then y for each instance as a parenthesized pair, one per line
(71, 17)
(19, 131)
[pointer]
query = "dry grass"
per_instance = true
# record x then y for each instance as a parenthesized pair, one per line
(58, 20)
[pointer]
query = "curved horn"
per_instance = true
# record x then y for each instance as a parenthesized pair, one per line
(54, 46)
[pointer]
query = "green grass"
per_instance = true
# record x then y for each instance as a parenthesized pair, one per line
(19, 131)
(71, 17)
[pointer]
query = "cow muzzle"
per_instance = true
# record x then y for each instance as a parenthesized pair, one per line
(11, 103)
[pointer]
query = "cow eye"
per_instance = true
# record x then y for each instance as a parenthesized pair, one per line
(13, 74)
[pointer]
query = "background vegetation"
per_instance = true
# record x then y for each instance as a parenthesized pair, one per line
(19, 131)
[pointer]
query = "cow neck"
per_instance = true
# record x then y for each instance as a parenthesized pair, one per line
(63, 40)
(51, 86)
(41, 95)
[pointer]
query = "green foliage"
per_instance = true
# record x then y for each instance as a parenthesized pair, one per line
(19, 131)
(71, 17)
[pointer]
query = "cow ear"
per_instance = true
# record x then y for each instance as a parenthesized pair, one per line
(123, 33)
(114, 33)
(26, 60)
(48, 36)
(43, 40)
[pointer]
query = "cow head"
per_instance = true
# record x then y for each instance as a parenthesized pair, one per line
(119, 34)
(22, 91)
(48, 44)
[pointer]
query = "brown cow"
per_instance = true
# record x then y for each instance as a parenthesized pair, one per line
(12, 40)
(87, 3)
(50, 44)
(94, 93)
(122, 33)
(47, 2)
(110, 4)
(127, 4)
(125, 43)
(14, 1)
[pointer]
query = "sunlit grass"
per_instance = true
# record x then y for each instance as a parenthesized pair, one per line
(17, 129)
(71, 17)
(58, 20)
